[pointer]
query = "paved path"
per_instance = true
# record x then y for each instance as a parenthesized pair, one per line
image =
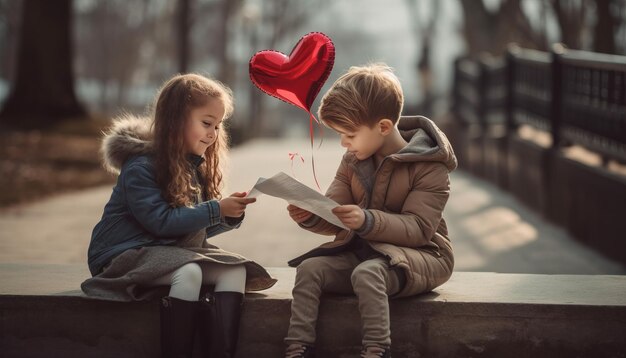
(490, 230)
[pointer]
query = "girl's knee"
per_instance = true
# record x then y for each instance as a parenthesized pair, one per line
(231, 279)
(235, 272)
(186, 282)
(190, 273)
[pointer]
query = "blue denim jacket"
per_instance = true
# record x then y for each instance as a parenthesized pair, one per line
(137, 215)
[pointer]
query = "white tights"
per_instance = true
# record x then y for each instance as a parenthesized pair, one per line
(187, 280)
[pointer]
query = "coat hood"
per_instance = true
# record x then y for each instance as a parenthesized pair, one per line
(426, 143)
(129, 136)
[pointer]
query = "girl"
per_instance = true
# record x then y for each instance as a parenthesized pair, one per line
(166, 203)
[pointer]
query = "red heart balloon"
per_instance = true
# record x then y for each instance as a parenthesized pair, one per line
(297, 78)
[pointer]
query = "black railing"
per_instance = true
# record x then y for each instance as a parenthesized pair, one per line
(516, 121)
(579, 97)
(593, 92)
(530, 88)
(479, 93)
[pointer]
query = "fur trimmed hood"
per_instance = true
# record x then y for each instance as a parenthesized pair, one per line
(130, 135)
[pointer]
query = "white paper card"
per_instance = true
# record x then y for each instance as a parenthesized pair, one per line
(294, 192)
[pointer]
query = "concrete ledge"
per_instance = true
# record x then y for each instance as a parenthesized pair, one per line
(475, 314)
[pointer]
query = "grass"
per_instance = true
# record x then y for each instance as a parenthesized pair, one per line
(35, 164)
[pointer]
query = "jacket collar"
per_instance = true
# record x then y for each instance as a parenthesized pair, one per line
(128, 136)
(195, 160)
(426, 143)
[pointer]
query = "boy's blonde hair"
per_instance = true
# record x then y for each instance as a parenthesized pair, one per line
(176, 99)
(362, 96)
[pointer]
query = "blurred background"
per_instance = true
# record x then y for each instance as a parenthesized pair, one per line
(68, 66)
(71, 65)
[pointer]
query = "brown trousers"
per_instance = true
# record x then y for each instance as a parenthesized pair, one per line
(372, 281)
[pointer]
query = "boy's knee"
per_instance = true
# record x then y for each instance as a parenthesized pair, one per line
(368, 272)
(309, 268)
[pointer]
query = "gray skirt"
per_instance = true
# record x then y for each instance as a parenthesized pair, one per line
(129, 276)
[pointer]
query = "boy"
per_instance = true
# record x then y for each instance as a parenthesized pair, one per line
(392, 186)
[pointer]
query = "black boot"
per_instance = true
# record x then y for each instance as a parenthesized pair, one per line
(178, 325)
(220, 313)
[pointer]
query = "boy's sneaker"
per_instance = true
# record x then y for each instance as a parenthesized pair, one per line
(376, 352)
(296, 350)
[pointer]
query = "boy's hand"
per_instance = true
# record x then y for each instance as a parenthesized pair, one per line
(235, 205)
(351, 216)
(298, 215)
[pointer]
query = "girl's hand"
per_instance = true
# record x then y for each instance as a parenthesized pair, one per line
(235, 205)
(298, 215)
(351, 216)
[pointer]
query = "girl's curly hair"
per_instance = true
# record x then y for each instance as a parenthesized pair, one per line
(173, 106)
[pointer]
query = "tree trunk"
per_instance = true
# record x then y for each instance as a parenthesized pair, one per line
(11, 16)
(43, 91)
(183, 35)
(104, 51)
(487, 31)
(570, 18)
(424, 34)
(604, 32)
(227, 9)
(478, 26)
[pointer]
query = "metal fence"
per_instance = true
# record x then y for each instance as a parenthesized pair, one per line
(515, 118)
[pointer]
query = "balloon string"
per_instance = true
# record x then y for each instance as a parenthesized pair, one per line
(311, 132)
(321, 126)
(291, 157)
(312, 116)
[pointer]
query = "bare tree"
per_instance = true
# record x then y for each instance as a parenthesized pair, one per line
(184, 25)
(95, 48)
(604, 39)
(280, 19)
(9, 26)
(574, 20)
(283, 17)
(424, 33)
(227, 10)
(491, 31)
(43, 88)
(113, 38)
(571, 16)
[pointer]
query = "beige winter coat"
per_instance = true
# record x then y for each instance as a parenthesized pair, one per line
(406, 196)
